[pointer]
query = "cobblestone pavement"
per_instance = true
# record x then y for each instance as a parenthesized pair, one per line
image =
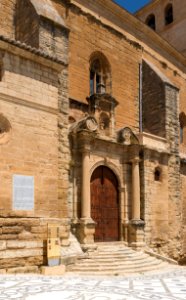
(164, 286)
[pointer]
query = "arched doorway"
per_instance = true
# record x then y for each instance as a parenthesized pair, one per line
(105, 204)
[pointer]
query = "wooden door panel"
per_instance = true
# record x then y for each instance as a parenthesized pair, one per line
(104, 204)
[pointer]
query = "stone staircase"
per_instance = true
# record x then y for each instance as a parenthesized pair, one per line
(117, 259)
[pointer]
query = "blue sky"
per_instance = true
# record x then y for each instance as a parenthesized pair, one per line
(132, 5)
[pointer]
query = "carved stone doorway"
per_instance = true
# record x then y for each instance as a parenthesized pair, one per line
(105, 204)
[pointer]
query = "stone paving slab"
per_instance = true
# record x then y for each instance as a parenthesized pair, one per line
(164, 286)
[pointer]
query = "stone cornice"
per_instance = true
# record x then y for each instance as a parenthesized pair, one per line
(28, 52)
(116, 18)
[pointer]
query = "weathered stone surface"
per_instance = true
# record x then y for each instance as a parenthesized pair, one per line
(20, 253)
(22, 270)
(23, 244)
(3, 245)
(21, 262)
(12, 230)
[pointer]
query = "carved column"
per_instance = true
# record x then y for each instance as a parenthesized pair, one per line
(136, 227)
(85, 205)
(135, 190)
(86, 228)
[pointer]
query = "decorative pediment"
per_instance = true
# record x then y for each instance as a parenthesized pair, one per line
(127, 137)
(88, 123)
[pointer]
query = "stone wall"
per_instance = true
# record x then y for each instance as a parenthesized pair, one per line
(34, 102)
(7, 18)
(23, 243)
(162, 197)
(64, 157)
(33, 120)
(153, 102)
(53, 39)
(88, 35)
(26, 23)
(155, 195)
(175, 207)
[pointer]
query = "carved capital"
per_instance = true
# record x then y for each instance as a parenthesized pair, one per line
(135, 161)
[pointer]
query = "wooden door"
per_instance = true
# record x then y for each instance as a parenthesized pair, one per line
(105, 204)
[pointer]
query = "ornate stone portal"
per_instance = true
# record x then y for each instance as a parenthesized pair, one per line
(91, 148)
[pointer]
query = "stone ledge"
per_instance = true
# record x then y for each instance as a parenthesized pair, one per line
(169, 260)
(33, 50)
(56, 270)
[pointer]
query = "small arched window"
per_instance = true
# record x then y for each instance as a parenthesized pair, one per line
(168, 14)
(151, 21)
(95, 76)
(157, 174)
(100, 74)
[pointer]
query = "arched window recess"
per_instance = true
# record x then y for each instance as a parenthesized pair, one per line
(151, 21)
(100, 74)
(168, 14)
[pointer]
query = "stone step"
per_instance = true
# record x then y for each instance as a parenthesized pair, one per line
(120, 272)
(116, 258)
(116, 262)
(133, 266)
(119, 255)
(113, 252)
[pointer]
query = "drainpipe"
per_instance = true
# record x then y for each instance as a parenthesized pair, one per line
(140, 99)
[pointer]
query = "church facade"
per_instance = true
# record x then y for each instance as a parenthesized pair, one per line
(92, 131)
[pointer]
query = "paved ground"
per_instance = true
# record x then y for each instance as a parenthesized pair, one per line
(165, 286)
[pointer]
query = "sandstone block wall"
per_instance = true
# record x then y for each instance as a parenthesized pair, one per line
(87, 35)
(153, 102)
(53, 39)
(33, 120)
(7, 18)
(26, 23)
(156, 198)
(23, 243)
(30, 99)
